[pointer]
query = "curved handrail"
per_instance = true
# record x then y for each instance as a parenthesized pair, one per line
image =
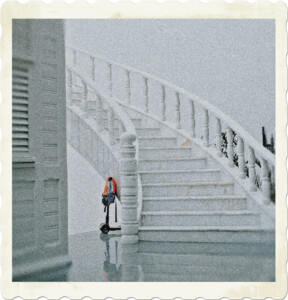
(111, 102)
(250, 140)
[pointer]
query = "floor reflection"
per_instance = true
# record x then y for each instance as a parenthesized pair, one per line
(98, 257)
(152, 261)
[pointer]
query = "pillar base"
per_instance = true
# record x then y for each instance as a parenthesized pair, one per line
(129, 239)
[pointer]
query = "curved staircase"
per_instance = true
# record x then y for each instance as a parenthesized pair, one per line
(190, 191)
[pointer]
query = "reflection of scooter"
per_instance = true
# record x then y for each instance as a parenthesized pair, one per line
(108, 197)
(111, 272)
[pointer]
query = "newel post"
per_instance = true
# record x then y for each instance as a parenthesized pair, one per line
(128, 180)
(265, 182)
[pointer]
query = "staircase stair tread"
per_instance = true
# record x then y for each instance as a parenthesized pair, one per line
(164, 148)
(179, 171)
(156, 137)
(208, 197)
(205, 183)
(205, 228)
(173, 159)
(193, 213)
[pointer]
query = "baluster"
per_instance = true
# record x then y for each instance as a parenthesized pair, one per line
(145, 93)
(192, 117)
(230, 149)
(252, 170)
(74, 58)
(127, 87)
(69, 83)
(218, 137)
(99, 113)
(177, 110)
(85, 100)
(241, 158)
(206, 129)
(266, 191)
(92, 71)
(163, 103)
(121, 128)
(109, 79)
(128, 178)
(111, 126)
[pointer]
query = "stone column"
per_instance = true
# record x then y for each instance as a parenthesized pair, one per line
(128, 180)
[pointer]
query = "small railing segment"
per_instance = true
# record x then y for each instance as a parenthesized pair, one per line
(250, 153)
(83, 92)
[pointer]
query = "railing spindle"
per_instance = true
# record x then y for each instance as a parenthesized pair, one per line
(241, 158)
(218, 137)
(252, 170)
(74, 58)
(85, 100)
(92, 70)
(99, 113)
(192, 117)
(177, 111)
(109, 79)
(230, 149)
(127, 87)
(163, 103)
(111, 126)
(206, 129)
(145, 93)
(266, 191)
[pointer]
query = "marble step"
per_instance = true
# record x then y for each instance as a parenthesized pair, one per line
(165, 152)
(177, 203)
(157, 141)
(187, 189)
(172, 164)
(148, 132)
(179, 176)
(265, 249)
(205, 234)
(200, 218)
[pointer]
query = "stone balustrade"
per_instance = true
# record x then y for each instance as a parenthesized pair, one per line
(97, 139)
(249, 151)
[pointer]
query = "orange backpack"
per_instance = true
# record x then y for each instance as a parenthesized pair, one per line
(106, 186)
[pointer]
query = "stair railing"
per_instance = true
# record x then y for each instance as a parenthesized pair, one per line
(250, 152)
(79, 87)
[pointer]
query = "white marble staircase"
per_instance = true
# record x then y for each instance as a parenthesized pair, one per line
(188, 189)
(187, 197)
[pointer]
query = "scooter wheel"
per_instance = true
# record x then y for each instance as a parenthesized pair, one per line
(104, 228)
